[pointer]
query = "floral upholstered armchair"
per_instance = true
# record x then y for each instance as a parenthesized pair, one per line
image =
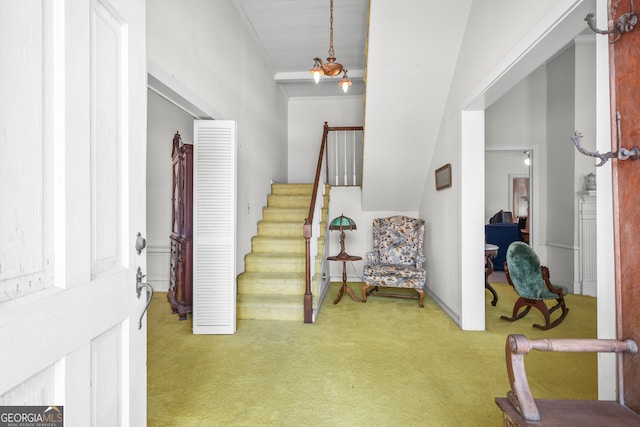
(397, 258)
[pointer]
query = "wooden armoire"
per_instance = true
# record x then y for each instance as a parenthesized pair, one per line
(180, 293)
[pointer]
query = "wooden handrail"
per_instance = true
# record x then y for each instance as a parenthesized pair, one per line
(307, 229)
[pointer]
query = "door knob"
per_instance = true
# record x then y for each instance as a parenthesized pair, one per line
(141, 243)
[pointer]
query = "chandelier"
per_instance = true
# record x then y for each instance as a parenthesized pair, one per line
(331, 68)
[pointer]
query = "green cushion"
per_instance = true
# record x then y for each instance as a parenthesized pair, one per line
(525, 272)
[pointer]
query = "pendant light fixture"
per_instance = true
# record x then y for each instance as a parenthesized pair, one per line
(331, 68)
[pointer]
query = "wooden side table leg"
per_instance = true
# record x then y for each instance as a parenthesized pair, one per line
(340, 293)
(344, 282)
(488, 270)
(344, 288)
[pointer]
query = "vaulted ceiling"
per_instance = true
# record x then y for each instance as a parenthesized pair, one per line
(293, 32)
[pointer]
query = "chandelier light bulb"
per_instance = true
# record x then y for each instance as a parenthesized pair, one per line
(316, 76)
(345, 82)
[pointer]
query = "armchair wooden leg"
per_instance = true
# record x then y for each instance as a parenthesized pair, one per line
(364, 292)
(420, 301)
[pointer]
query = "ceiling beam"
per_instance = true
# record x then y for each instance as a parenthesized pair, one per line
(293, 76)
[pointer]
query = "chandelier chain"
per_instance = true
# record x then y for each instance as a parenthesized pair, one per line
(331, 53)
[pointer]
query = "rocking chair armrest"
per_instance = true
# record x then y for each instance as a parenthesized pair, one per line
(517, 346)
(547, 281)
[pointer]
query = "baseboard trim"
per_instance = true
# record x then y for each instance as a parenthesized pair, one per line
(324, 287)
(158, 249)
(443, 306)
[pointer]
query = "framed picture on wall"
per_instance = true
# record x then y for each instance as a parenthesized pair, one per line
(443, 177)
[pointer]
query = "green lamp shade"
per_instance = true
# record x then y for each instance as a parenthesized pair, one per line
(342, 223)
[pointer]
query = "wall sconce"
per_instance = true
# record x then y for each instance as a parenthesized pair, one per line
(625, 23)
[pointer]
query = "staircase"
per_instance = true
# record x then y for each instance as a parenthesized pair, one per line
(273, 284)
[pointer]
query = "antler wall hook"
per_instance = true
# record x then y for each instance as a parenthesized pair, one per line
(620, 154)
(577, 139)
(625, 23)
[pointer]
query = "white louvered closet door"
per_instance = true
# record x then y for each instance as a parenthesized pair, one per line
(214, 227)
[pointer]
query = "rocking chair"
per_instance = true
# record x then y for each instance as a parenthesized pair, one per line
(531, 282)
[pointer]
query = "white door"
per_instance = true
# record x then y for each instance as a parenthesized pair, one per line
(72, 185)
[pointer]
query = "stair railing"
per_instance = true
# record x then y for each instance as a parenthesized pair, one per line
(344, 156)
(311, 228)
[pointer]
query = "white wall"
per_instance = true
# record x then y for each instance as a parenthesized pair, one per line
(209, 49)
(305, 126)
(412, 54)
(585, 101)
(585, 122)
(518, 118)
(163, 121)
(560, 201)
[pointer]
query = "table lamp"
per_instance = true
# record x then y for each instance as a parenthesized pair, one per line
(342, 223)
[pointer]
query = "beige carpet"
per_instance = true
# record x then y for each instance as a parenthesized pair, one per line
(383, 363)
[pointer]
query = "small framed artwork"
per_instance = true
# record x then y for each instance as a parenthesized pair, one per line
(443, 177)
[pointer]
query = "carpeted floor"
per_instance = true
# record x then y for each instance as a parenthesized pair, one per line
(383, 363)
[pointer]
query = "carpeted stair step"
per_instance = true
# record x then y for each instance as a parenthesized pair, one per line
(283, 229)
(272, 262)
(283, 201)
(271, 283)
(292, 189)
(270, 307)
(284, 214)
(280, 244)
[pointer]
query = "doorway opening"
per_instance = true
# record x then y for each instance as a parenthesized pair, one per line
(509, 186)
(171, 108)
